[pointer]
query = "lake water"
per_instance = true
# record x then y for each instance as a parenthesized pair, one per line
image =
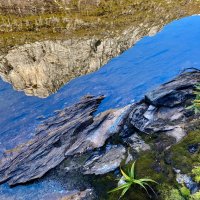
(126, 78)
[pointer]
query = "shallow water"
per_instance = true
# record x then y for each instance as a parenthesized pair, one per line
(152, 61)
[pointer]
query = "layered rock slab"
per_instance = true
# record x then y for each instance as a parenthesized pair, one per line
(72, 131)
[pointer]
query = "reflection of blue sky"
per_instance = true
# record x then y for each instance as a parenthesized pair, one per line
(150, 62)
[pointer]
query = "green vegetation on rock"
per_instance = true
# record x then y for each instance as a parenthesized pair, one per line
(196, 173)
(129, 179)
(181, 157)
(195, 196)
(196, 102)
(185, 192)
(168, 192)
(160, 166)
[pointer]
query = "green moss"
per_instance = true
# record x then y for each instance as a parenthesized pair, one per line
(185, 192)
(158, 165)
(152, 164)
(195, 196)
(145, 165)
(170, 193)
(181, 158)
(196, 173)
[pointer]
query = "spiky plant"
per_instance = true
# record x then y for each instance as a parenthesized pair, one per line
(130, 180)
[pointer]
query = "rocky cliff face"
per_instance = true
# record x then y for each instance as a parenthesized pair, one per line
(41, 68)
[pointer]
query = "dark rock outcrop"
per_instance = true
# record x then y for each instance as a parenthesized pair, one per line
(175, 92)
(163, 109)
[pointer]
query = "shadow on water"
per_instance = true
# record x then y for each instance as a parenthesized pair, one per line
(152, 61)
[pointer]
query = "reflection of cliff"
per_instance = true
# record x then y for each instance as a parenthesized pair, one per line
(69, 39)
(42, 67)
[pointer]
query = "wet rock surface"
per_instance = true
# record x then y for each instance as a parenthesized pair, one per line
(99, 144)
(163, 109)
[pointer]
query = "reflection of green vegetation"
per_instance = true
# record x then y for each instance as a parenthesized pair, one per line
(108, 18)
(130, 180)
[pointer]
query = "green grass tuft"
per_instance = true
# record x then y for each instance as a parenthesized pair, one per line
(130, 180)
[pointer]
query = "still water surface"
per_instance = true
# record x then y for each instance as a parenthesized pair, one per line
(126, 78)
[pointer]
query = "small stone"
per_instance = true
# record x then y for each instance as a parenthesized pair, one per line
(193, 148)
(107, 162)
